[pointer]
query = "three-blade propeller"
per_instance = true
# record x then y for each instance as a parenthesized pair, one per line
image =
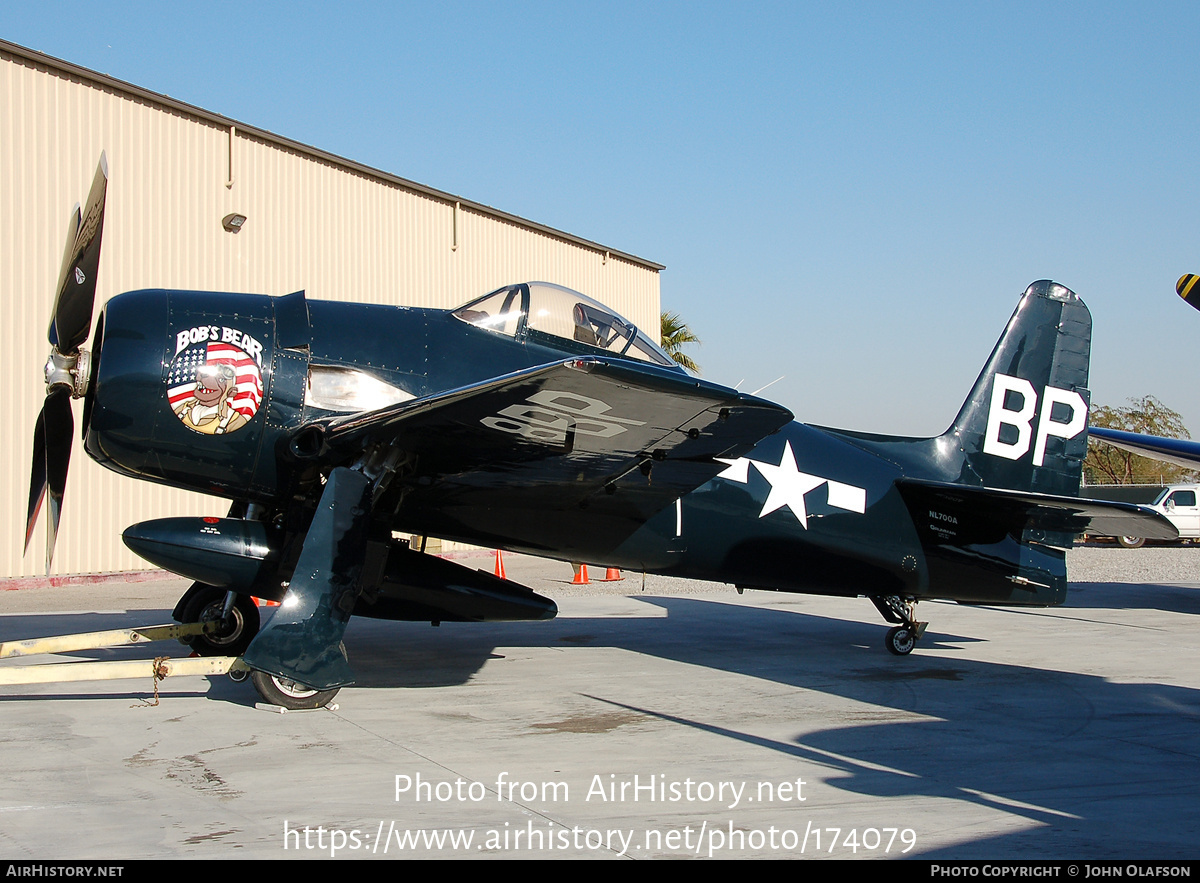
(68, 368)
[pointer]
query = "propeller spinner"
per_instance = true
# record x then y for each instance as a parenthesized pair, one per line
(68, 369)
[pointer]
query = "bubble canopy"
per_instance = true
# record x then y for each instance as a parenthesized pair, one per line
(559, 317)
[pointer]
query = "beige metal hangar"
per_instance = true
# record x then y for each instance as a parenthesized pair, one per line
(314, 221)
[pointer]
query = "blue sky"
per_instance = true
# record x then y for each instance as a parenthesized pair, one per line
(850, 195)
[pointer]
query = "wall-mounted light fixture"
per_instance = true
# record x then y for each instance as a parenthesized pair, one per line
(232, 222)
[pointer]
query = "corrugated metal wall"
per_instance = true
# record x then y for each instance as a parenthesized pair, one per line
(337, 230)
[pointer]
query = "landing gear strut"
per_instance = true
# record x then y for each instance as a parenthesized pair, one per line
(901, 639)
(238, 621)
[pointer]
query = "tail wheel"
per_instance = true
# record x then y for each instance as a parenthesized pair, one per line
(234, 634)
(1131, 542)
(287, 693)
(900, 640)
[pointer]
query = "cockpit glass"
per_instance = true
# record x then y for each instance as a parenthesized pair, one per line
(568, 314)
(501, 311)
(557, 312)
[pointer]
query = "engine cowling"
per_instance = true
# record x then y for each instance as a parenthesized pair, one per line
(196, 389)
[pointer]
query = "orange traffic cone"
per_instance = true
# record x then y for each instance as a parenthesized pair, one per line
(581, 577)
(612, 575)
(499, 571)
(263, 602)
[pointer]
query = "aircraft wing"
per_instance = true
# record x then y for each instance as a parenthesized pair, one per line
(977, 513)
(1180, 451)
(570, 455)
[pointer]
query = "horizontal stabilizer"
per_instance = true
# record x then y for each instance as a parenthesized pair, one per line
(963, 512)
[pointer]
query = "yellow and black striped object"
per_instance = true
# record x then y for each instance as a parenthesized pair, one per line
(1188, 287)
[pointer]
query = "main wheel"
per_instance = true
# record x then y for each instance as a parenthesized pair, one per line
(232, 636)
(1131, 542)
(900, 640)
(287, 693)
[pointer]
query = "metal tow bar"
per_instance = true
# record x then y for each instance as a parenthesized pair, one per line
(158, 668)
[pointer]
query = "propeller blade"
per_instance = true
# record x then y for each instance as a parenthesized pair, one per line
(77, 282)
(60, 426)
(37, 477)
(73, 224)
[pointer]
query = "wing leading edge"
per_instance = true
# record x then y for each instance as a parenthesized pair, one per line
(1180, 451)
(570, 457)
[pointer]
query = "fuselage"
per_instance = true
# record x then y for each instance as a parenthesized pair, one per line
(146, 342)
(808, 509)
(803, 508)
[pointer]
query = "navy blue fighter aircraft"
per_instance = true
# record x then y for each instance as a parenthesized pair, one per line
(534, 419)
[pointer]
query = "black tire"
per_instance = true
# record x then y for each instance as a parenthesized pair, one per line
(1132, 542)
(287, 693)
(231, 637)
(900, 640)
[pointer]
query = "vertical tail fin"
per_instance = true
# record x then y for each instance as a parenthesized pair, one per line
(1024, 425)
(1023, 428)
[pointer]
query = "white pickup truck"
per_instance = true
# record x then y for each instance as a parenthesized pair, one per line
(1178, 502)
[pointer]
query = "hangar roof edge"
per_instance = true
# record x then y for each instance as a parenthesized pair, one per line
(37, 57)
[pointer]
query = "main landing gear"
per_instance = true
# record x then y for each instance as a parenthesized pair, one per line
(236, 626)
(237, 622)
(287, 693)
(901, 639)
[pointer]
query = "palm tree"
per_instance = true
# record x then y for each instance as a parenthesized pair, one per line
(675, 335)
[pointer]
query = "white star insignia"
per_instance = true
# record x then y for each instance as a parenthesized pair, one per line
(738, 469)
(789, 485)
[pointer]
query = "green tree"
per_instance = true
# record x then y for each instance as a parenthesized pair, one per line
(676, 335)
(1106, 464)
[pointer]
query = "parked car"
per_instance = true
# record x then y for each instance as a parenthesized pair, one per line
(1178, 502)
